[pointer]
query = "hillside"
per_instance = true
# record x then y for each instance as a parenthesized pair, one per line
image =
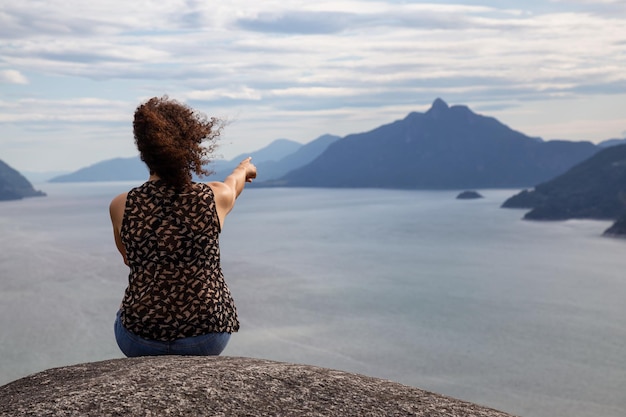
(276, 168)
(14, 186)
(275, 151)
(593, 189)
(276, 159)
(443, 148)
(618, 229)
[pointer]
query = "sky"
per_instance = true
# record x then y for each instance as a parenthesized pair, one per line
(72, 72)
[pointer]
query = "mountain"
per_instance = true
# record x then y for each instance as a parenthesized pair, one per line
(271, 163)
(273, 169)
(593, 189)
(277, 158)
(443, 148)
(618, 229)
(118, 169)
(14, 186)
(275, 151)
(268, 155)
(612, 142)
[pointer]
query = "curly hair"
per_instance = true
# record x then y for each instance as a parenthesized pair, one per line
(169, 136)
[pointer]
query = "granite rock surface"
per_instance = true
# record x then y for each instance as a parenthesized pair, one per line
(219, 386)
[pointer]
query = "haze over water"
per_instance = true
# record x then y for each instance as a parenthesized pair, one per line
(457, 297)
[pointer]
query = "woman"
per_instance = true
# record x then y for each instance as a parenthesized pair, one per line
(167, 231)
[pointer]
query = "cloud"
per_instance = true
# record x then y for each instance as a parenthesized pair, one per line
(80, 110)
(308, 64)
(12, 77)
(358, 18)
(297, 23)
(236, 93)
(332, 41)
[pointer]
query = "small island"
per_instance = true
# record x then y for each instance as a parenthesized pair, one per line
(469, 195)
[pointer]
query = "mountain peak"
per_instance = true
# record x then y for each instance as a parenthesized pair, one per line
(448, 147)
(439, 107)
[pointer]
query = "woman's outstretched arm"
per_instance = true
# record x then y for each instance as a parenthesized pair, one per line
(226, 192)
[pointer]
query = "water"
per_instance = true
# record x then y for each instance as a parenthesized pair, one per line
(457, 297)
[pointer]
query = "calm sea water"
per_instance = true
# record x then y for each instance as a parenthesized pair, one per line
(458, 297)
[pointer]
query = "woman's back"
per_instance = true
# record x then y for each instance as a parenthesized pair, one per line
(167, 231)
(176, 286)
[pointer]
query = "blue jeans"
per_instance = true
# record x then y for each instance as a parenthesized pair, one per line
(132, 345)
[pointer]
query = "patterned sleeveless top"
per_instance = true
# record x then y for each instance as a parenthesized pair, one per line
(175, 287)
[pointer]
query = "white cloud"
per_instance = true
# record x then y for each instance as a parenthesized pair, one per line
(80, 110)
(12, 77)
(238, 93)
(308, 64)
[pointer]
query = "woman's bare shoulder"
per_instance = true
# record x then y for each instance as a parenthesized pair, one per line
(118, 203)
(221, 191)
(217, 186)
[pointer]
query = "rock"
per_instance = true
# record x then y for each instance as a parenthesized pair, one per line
(468, 195)
(218, 386)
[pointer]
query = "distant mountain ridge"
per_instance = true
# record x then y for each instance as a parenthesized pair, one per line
(14, 186)
(443, 148)
(272, 169)
(612, 142)
(272, 161)
(117, 169)
(447, 147)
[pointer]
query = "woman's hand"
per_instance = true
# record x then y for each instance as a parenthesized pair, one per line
(249, 169)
